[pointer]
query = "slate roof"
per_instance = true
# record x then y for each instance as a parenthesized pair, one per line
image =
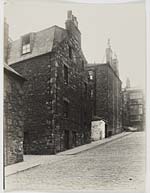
(42, 43)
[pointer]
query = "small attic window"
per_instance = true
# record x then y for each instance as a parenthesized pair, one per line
(26, 47)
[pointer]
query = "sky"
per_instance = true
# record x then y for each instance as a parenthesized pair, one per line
(123, 24)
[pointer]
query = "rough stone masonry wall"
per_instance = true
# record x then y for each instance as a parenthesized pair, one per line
(44, 94)
(38, 100)
(114, 102)
(102, 91)
(79, 118)
(13, 119)
(108, 97)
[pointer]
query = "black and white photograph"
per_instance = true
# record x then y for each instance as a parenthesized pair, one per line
(74, 96)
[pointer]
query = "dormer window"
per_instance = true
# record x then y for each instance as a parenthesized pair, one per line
(26, 47)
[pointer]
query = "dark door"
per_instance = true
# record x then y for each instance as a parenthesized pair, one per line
(66, 139)
(26, 142)
(74, 138)
(106, 131)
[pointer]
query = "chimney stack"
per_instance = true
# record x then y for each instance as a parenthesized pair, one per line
(72, 26)
(109, 53)
(115, 64)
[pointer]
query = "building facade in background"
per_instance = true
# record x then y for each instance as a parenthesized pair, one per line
(56, 93)
(106, 98)
(133, 107)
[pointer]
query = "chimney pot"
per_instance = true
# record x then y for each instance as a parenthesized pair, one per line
(69, 15)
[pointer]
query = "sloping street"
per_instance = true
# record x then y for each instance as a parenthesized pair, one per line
(116, 165)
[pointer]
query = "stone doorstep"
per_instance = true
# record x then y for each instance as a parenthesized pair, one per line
(34, 162)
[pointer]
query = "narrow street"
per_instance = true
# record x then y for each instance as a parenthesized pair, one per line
(117, 165)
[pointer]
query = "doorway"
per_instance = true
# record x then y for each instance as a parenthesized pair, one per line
(74, 139)
(26, 142)
(66, 139)
(106, 128)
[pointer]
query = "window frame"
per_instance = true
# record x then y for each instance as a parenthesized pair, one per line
(65, 109)
(26, 44)
(66, 74)
(70, 52)
(91, 75)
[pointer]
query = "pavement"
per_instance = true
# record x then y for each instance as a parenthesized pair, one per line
(117, 165)
(32, 161)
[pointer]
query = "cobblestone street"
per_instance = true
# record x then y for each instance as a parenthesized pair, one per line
(117, 165)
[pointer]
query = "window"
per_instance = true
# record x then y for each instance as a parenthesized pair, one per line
(91, 75)
(66, 109)
(65, 74)
(139, 101)
(135, 118)
(70, 52)
(82, 65)
(74, 138)
(92, 93)
(85, 89)
(135, 95)
(136, 101)
(26, 48)
(136, 109)
(140, 109)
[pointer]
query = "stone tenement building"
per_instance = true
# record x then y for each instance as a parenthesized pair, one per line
(133, 107)
(13, 116)
(13, 110)
(106, 93)
(56, 93)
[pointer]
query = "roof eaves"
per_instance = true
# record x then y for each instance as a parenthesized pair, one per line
(12, 71)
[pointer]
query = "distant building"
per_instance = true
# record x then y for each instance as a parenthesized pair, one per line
(13, 116)
(106, 99)
(133, 108)
(56, 93)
